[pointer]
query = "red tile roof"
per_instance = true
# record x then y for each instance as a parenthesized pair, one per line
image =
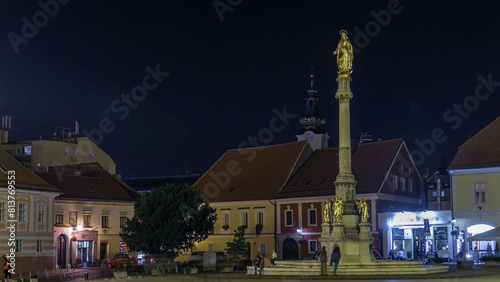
(482, 150)
(370, 164)
(252, 173)
(24, 178)
(93, 184)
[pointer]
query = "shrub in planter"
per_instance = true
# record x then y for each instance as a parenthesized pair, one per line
(258, 228)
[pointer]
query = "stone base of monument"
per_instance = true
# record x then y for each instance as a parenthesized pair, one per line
(312, 268)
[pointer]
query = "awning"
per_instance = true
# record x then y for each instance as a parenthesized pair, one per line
(492, 235)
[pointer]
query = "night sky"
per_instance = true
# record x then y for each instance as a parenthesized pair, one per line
(228, 70)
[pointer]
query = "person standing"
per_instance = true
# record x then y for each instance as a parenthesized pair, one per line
(274, 257)
(322, 260)
(6, 268)
(335, 258)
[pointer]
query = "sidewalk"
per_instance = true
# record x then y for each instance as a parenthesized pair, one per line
(101, 274)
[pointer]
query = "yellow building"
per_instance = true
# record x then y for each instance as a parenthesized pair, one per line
(26, 207)
(38, 155)
(241, 185)
(475, 181)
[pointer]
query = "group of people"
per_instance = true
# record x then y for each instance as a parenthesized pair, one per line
(261, 262)
(334, 259)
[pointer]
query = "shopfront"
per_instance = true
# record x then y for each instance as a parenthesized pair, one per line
(413, 235)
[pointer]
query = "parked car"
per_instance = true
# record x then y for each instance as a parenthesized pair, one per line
(196, 257)
(120, 259)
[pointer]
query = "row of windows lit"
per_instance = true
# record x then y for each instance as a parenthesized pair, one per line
(87, 220)
(22, 212)
(312, 217)
(259, 218)
(19, 246)
(26, 151)
(402, 183)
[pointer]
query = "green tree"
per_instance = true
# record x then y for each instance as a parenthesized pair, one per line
(167, 220)
(238, 245)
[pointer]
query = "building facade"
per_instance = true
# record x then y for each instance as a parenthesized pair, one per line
(89, 215)
(26, 222)
(475, 181)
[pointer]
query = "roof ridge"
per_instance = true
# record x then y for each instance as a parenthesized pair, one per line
(268, 146)
(475, 135)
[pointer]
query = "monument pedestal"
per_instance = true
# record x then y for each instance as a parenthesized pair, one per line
(354, 247)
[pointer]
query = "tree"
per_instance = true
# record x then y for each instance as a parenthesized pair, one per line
(169, 219)
(238, 245)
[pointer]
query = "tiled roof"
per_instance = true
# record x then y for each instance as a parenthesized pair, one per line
(24, 178)
(482, 150)
(89, 182)
(370, 164)
(253, 173)
(148, 183)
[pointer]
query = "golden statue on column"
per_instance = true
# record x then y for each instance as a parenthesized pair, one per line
(363, 210)
(327, 212)
(344, 55)
(338, 209)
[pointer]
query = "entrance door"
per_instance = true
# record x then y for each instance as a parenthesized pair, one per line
(290, 249)
(249, 251)
(61, 251)
(418, 243)
(104, 250)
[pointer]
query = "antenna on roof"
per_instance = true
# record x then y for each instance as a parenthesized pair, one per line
(77, 128)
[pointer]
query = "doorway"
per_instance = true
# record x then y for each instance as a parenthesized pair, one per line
(418, 243)
(103, 251)
(61, 244)
(290, 249)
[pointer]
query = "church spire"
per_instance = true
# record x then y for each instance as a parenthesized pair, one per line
(312, 120)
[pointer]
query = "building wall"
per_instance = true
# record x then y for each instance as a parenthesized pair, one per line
(235, 210)
(46, 153)
(468, 213)
(114, 210)
(29, 258)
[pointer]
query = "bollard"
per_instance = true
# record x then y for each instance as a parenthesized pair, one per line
(72, 275)
(30, 274)
(38, 273)
(81, 273)
(102, 272)
(86, 275)
(64, 275)
(60, 274)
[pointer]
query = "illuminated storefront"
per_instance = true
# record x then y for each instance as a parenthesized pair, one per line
(412, 235)
(75, 247)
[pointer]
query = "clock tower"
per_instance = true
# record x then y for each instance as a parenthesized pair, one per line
(312, 122)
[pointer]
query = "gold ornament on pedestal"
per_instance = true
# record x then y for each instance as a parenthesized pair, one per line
(338, 209)
(327, 212)
(344, 55)
(363, 210)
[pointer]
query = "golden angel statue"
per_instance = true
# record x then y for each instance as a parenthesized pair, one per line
(363, 210)
(338, 209)
(327, 212)
(344, 55)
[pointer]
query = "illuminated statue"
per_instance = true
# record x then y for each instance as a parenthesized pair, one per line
(338, 209)
(363, 210)
(344, 55)
(327, 212)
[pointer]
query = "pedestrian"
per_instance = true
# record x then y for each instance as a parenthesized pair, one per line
(258, 261)
(274, 257)
(322, 260)
(335, 258)
(6, 268)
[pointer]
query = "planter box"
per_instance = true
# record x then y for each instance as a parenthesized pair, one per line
(490, 263)
(121, 274)
(33, 279)
(465, 264)
(157, 272)
(227, 269)
(190, 270)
